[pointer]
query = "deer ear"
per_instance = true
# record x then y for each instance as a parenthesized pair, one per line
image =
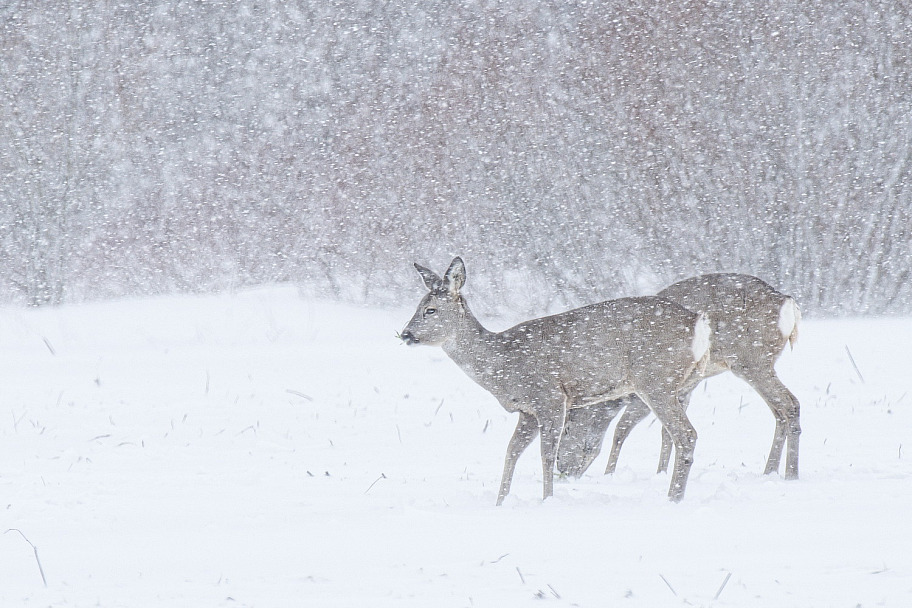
(430, 278)
(455, 276)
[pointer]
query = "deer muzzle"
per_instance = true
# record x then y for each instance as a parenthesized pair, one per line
(408, 337)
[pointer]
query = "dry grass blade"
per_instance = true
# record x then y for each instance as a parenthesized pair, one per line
(34, 549)
(852, 360)
(382, 476)
(675, 593)
(722, 587)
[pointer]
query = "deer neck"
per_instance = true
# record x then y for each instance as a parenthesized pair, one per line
(472, 347)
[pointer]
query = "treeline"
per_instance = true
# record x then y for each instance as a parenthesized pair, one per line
(569, 151)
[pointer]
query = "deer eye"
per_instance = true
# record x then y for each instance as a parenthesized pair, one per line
(429, 311)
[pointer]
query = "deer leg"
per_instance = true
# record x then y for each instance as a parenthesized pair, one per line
(583, 434)
(794, 435)
(779, 438)
(786, 410)
(526, 430)
(665, 454)
(635, 411)
(551, 427)
(668, 410)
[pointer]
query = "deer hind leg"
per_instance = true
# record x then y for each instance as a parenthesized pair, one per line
(665, 454)
(674, 420)
(526, 430)
(635, 411)
(794, 435)
(786, 410)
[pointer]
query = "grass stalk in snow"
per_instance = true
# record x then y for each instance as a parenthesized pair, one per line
(852, 360)
(34, 549)
(673, 592)
(382, 476)
(722, 587)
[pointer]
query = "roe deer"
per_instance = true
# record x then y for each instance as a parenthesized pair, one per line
(544, 367)
(751, 324)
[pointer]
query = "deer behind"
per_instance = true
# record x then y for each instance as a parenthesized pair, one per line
(545, 367)
(751, 324)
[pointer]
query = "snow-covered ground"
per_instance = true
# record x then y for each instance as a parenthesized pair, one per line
(260, 449)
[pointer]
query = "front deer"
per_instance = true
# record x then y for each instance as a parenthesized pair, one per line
(751, 324)
(544, 367)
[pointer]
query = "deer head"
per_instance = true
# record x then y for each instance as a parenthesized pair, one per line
(437, 318)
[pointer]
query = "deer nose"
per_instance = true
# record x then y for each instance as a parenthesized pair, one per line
(408, 337)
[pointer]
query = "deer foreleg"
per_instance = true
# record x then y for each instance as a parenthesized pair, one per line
(552, 425)
(635, 411)
(526, 430)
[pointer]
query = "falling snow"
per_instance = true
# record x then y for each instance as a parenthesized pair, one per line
(209, 213)
(579, 150)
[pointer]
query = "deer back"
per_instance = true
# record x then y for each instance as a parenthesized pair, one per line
(751, 321)
(602, 350)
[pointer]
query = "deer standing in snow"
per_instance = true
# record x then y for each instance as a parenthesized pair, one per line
(751, 324)
(545, 367)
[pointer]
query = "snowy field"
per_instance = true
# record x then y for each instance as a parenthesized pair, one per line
(259, 449)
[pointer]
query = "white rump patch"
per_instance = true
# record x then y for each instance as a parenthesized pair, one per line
(788, 317)
(702, 334)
